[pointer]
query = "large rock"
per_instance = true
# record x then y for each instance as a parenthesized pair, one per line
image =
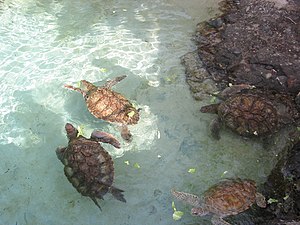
(254, 42)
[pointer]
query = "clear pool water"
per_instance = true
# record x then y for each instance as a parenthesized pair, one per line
(45, 44)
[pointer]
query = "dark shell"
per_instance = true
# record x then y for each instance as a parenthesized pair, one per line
(89, 167)
(111, 106)
(230, 197)
(255, 113)
(249, 114)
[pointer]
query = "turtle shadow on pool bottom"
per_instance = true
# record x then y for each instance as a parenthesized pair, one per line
(88, 166)
(108, 105)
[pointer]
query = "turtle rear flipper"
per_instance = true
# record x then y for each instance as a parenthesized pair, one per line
(117, 193)
(125, 133)
(217, 220)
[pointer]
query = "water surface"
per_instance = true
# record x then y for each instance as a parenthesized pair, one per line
(46, 44)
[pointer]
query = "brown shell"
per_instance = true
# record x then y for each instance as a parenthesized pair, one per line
(111, 106)
(230, 197)
(249, 114)
(89, 167)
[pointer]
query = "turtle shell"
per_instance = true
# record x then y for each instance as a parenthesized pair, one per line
(249, 114)
(88, 166)
(111, 106)
(230, 197)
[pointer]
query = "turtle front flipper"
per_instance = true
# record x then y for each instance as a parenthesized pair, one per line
(75, 89)
(60, 154)
(191, 199)
(217, 220)
(114, 81)
(213, 108)
(105, 138)
(215, 126)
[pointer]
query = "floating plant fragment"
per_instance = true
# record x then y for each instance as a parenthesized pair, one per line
(103, 70)
(272, 200)
(127, 162)
(224, 173)
(136, 165)
(213, 99)
(192, 170)
(177, 214)
(80, 130)
(131, 114)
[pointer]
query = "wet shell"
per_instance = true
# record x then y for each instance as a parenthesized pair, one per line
(230, 197)
(249, 114)
(111, 106)
(89, 167)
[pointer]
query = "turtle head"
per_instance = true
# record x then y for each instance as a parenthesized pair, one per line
(105, 138)
(87, 86)
(199, 211)
(71, 131)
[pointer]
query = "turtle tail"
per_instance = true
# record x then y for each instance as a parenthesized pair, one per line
(96, 203)
(117, 193)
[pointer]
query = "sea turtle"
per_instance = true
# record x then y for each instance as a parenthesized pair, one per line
(251, 112)
(109, 105)
(88, 166)
(228, 197)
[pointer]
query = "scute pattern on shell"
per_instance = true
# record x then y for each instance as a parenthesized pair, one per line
(89, 167)
(230, 197)
(249, 114)
(111, 106)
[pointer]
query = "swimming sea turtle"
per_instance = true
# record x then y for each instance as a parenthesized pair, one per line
(251, 112)
(228, 197)
(109, 105)
(88, 166)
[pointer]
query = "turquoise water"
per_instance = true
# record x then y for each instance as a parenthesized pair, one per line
(46, 44)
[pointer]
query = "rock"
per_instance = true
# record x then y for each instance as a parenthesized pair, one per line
(254, 42)
(283, 185)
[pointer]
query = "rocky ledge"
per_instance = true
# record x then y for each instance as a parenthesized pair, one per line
(257, 43)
